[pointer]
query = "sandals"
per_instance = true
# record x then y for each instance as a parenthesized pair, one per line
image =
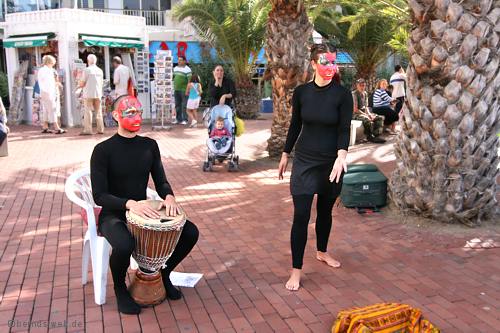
(59, 131)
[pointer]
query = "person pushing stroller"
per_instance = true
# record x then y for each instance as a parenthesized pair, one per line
(222, 90)
(220, 120)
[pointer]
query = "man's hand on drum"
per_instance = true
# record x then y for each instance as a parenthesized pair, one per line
(171, 206)
(142, 209)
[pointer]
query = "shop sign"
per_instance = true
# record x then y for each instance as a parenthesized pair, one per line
(25, 43)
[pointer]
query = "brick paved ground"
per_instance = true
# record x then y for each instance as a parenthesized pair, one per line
(243, 251)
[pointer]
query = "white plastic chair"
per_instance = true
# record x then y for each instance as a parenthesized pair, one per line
(79, 190)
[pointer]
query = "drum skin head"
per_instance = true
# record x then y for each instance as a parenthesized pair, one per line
(155, 239)
(164, 222)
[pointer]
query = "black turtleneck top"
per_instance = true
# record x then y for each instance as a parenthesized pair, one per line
(120, 169)
(322, 117)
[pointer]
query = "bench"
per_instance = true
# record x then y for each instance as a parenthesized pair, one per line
(357, 131)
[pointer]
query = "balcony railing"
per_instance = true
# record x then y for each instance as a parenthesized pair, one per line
(153, 17)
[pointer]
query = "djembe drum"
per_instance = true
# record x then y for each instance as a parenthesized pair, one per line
(155, 240)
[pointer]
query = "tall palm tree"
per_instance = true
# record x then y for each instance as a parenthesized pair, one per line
(236, 29)
(288, 34)
(447, 150)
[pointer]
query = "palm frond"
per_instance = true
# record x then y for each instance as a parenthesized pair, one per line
(356, 25)
(235, 28)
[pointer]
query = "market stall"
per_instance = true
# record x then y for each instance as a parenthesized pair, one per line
(70, 35)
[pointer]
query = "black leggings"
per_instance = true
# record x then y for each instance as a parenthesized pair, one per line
(122, 243)
(399, 104)
(302, 212)
(390, 116)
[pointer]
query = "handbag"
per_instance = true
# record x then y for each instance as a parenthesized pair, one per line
(3, 136)
(3, 123)
(3, 131)
(382, 318)
(240, 125)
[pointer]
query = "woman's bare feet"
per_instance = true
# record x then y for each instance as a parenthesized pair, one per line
(293, 282)
(326, 258)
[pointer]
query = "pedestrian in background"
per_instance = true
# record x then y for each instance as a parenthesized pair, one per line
(92, 84)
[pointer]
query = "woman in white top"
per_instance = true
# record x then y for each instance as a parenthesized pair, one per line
(49, 95)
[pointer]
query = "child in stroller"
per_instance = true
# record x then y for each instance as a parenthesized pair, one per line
(220, 135)
(221, 141)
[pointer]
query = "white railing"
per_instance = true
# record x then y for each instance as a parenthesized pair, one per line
(75, 15)
(153, 17)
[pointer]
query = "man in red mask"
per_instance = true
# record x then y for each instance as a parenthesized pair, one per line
(119, 169)
(128, 113)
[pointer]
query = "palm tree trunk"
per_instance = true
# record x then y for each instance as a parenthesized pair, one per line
(247, 99)
(447, 150)
(288, 33)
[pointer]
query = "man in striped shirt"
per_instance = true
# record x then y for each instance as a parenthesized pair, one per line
(182, 74)
(398, 80)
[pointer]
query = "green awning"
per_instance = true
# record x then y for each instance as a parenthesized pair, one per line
(28, 40)
(91, 40)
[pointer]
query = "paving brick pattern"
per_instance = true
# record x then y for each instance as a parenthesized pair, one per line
(244, 219)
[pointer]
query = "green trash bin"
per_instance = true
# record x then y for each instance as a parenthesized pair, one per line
(364, 189)
(351, 168)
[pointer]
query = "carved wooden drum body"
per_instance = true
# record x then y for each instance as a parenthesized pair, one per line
(155, 240)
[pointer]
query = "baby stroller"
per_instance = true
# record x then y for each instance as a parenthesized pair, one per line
(228, 151)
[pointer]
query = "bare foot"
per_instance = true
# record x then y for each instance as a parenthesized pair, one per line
(326, 258)
(294, 282)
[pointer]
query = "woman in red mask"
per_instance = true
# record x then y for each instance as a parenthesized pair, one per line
(320, 125)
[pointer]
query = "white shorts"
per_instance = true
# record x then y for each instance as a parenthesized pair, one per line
(193, 104)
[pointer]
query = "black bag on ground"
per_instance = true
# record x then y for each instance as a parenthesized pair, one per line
(3, 129)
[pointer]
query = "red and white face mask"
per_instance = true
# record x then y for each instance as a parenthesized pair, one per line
(325, 66)
(129, 111)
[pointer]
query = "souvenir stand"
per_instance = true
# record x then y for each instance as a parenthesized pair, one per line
(162, 97)
(77, 69)
(68, 34)
(17, 94)
(141, 60)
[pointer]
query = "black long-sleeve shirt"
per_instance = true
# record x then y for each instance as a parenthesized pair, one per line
(120, 169)
(227, 87)
(322, 117)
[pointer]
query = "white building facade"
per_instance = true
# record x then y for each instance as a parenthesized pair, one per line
(69, 30)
